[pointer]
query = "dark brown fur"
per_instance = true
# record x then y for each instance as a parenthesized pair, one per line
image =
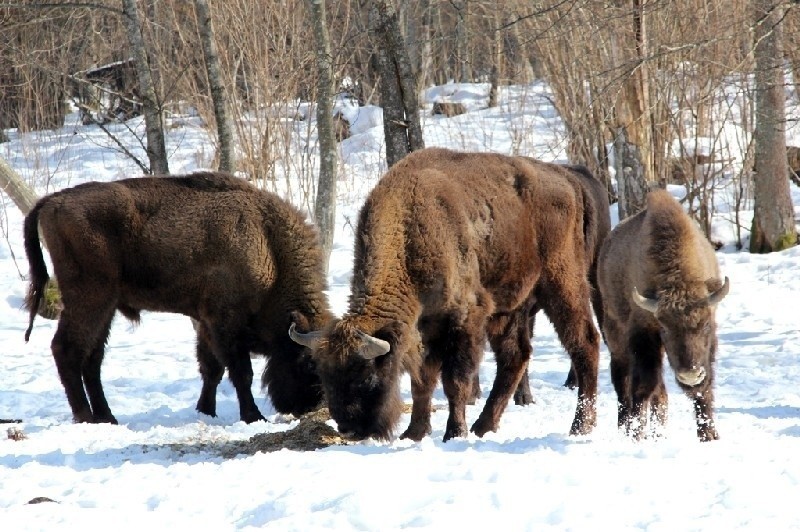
(240, 261)
(596, 226)
(665, 256)
(449, 246)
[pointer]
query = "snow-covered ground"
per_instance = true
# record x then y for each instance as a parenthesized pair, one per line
(530, 475)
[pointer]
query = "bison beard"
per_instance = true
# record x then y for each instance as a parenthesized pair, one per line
(451, 248)
(240, 261)
(660, 285)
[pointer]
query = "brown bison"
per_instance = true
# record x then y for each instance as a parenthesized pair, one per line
(660, 284)
(241, 262)
(596, 226)
(448, 248)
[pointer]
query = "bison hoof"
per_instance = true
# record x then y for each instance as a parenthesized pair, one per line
(83, 417)
(416, 433)
(581, 427)
(207, 409)
(523, 399)
(252, 417)
(481, 427)
(107, 418)
(707, 434)
(455, 431)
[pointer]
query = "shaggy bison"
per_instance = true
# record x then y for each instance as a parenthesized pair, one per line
(596, 226)
(240, 261)
(449, 247)
(660, 284)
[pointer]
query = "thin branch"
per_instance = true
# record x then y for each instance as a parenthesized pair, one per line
(70, 5)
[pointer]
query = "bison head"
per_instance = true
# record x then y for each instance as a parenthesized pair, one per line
(688, 331)
(360, 377)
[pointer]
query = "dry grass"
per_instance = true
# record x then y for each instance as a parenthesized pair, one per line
(310, 434)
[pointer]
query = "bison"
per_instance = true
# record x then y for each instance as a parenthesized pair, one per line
(596, 226)
(449, 247)
(240, 261)
(660, 283)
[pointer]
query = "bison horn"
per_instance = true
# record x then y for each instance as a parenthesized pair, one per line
(646, 303)
(311, 339)
(373, 347)
(717, 296)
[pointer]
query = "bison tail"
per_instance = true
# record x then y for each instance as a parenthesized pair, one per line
(38, 268)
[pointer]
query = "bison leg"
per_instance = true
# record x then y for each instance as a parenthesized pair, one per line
(211, 372)
(68, 356)
(91, 378)
(646, 369)
(566, 302)
(227, 344)
(476, 390)
(571, 381)
(461, 352)
(704, 412)
(659, 408)
(523, 395)
(620, 378)
(422, 388)
(511, 343)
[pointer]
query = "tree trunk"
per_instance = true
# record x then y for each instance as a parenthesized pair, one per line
(773, 226)
(631, 186)
(156, 146)
(462, 41)
(24, 197)
(425, 47)
(497, 59)
(12, 184)
(227, 158)
(325, 206)
(401, 120)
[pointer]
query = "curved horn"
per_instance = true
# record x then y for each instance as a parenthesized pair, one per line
(373, 347)
(311, 339)
(645, 303)
(717, 296)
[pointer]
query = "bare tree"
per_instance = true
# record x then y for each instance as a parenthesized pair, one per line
(773, 217)
(325, 204)
(227, 158)
(12, 184)
(154, 126)
(401, 123)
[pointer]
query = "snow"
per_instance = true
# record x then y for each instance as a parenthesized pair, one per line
(530, 475)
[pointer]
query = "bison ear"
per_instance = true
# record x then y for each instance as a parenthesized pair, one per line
(717, 296)
(300, 320)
